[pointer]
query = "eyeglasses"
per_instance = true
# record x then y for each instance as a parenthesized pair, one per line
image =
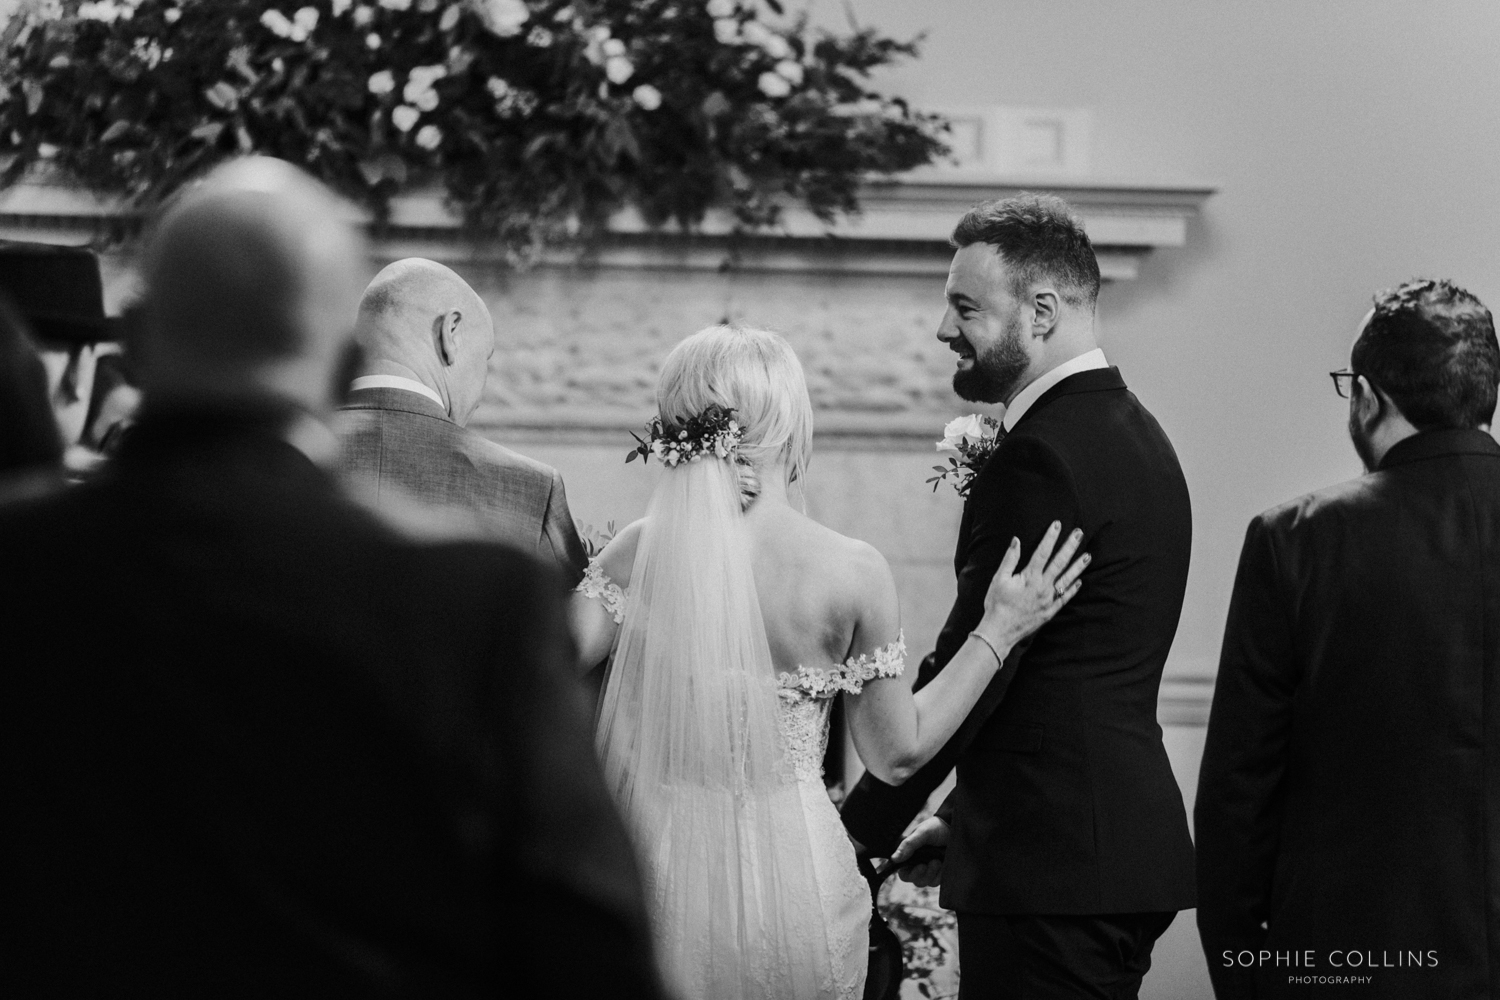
(1342, 380)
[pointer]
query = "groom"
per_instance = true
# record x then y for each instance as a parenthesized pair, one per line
(1068, 849)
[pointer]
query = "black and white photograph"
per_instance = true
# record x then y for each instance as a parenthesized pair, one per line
(750, 499)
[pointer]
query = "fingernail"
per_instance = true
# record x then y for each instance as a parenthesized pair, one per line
(1077, 532)
(1087, 557)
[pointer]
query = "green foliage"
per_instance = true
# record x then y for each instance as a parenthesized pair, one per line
(539, 118)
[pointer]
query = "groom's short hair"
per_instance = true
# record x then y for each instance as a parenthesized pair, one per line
(1430, 346)
(1039, 238)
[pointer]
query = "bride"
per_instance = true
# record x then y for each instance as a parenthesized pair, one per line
(734, 620)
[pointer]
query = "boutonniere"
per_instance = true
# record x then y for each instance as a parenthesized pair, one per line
(968, 442)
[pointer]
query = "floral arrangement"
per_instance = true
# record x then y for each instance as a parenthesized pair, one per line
(714, 433)
(540, 118)
(968, 442)
(928, 935)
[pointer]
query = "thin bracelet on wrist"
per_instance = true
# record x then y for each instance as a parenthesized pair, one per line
(998, 658)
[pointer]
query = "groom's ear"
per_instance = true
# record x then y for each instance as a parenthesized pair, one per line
(1048, 305)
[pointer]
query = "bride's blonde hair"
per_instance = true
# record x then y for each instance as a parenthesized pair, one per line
(755, 373)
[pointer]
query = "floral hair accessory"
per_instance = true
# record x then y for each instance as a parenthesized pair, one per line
(968, 442)
(714, 433)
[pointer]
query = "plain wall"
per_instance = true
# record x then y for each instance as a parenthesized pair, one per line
(1354, 145)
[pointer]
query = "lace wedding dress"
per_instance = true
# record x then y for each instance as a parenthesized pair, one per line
(820, 898)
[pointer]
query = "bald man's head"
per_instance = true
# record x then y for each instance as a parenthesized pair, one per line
(419, 319)
(252, 279)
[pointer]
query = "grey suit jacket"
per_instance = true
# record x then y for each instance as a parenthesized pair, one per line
(400, 446)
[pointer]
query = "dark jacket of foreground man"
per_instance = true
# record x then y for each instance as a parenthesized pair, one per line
(1349, 800)
(1065, 802)
(258, 744)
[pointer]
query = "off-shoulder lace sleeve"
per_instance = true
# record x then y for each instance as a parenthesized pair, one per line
(602, 589)
(849, 677)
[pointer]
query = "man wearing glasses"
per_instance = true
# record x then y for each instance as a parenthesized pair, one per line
(1348, 811)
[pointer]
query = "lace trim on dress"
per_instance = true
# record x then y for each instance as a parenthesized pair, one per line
(602, 589)
(850, 677)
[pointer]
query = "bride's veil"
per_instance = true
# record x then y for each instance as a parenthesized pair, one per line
(692, 748)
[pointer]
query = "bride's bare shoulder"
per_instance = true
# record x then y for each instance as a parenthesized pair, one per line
(857, 575)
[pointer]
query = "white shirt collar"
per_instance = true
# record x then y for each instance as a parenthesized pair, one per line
(1029, 395)
(397, 382)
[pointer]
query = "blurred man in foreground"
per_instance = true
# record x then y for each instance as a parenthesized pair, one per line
(427, 338)
(1348, 812)
(288, 752)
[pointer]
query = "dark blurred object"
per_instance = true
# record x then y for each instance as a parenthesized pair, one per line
(58, 289)
(887, 966)
(112, 404)
(28, 431)
(887, 963)
(254, 740)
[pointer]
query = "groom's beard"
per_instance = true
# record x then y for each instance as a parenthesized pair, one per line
(998, 369)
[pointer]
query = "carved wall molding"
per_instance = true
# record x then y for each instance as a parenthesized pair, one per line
(583, 333)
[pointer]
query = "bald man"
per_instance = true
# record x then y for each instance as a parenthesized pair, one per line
(428, 338)
(261, 744)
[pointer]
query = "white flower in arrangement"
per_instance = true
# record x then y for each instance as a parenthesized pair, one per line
(593, 51)
(381, 83)
(429, 136)
(149, 53)
(647, 96)
(372, 41)
(968, 442)
(505, 17)
(362, 16)
(619, 69)
(277, 23)
(395, 4)
(613, 47)
(404, 116)
(539, 38)
(791, 71)
(727, 30)
(776, 47)
(497, 87)
(721, 8)
(428, 75)
(305, 19)
(339, 6)
(773, 85)
(449, 20)
(975, 429)
(427, 100)
(755, 33)
(105, 10)
(172, 14)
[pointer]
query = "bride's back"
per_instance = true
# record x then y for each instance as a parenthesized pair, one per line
(812, 584)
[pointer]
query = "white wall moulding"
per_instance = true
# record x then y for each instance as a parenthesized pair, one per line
(583, 334)
(903, 228)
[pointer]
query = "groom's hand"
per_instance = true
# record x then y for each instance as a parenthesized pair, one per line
(932, 832)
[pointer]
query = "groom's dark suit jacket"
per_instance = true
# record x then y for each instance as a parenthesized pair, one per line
(1349, 797)
(1065, 802)
(256, 743)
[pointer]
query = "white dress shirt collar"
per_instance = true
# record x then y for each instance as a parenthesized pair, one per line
(397, 382)
(1029, 395)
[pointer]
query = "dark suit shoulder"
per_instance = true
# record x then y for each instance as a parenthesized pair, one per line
(1324, 509)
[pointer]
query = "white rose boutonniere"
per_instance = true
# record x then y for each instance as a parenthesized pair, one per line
(968, 442)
